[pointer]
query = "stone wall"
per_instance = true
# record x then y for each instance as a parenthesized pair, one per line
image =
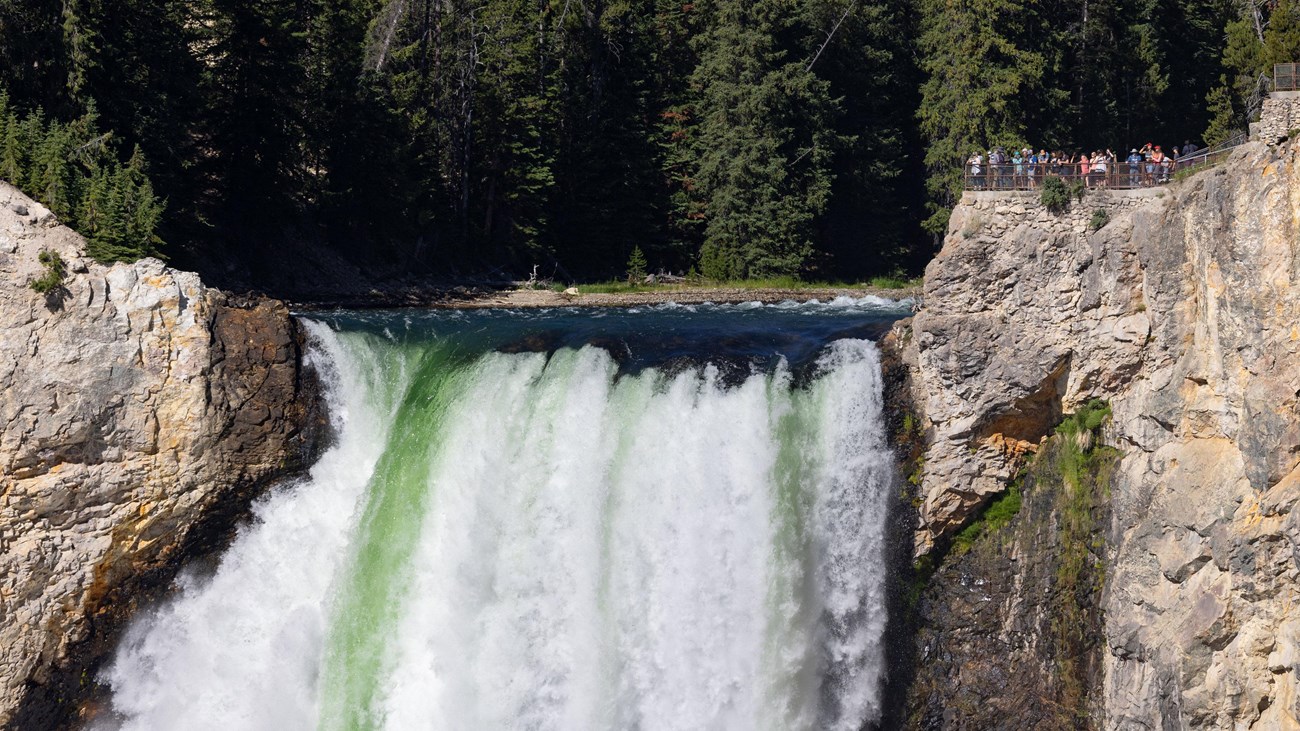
(1278, 117)
(135, 405)
(1182, 312)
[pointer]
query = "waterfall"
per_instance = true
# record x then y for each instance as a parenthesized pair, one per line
(541, 541)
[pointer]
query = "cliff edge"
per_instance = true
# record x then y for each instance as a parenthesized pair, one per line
(137, 407)
(1181, 308)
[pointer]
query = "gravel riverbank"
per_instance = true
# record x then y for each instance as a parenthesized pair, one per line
(523, 298)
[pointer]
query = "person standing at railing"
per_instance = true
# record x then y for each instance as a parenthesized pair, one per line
(976, 163)
(1149, 167)
(1134, 161)
(1032, 167)
(1018, 164)
(1158, 157)
(997, 167)
(1099, 167)
(1082, 167)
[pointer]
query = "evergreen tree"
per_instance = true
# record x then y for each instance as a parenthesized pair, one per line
(140, 69)
(863, 51)
(32, 54)
(763, 145)
(517, 104)
(608, 194)
(1282, 38)
(1255, 41)
(11, 146)
(254, 86)
(52, 177)
(978, 69)
(672, 58)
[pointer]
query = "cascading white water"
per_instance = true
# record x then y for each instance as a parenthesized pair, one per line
(523, 541)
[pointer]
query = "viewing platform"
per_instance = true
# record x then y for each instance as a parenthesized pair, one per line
(1114, 176)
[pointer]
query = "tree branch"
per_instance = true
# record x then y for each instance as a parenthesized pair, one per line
(831, 35)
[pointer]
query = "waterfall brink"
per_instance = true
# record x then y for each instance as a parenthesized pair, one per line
(539, 541)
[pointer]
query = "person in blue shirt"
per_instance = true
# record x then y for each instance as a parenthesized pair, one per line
(1134, 161)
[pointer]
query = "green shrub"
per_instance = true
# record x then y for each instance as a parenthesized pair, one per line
(55, 272)
(1055, 196)
(1077, 190)
(1100, 217)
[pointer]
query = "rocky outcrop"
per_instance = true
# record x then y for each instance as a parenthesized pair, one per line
(1182, 309)
(137, 407)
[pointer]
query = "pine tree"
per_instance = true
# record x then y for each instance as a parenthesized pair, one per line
(672, 59)
(763, 146)
(11, 165)
(142, 209)
(1282, 38)
(978, 72)
(32, 54)
(516, 103)
(52, 177)
(254, 84)
(863, 50)
(1225, 120)
(607, 196)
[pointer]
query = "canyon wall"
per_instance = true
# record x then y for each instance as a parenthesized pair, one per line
(140, 412)
(1180, 307)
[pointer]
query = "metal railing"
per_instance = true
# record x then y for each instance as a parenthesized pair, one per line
(1286, 77)
(1114, 175)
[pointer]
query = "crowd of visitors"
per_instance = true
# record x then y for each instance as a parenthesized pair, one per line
(1024, 168)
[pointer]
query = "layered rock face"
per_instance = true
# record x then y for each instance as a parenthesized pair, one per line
(1183, 311)
(137, 408)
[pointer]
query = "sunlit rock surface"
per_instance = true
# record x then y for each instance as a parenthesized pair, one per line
(1183, 311)
(134, 405)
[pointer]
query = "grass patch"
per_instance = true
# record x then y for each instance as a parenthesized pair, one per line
(997, 514)
(1100, 217)
(894, 282)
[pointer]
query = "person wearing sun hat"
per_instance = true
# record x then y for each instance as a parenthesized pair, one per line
(1134, 161)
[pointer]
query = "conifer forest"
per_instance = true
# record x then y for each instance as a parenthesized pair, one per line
(738, 138)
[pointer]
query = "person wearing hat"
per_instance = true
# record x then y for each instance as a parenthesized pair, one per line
(1134, 161)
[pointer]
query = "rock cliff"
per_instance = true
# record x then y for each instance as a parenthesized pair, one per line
(139, 413)
(1181, 308)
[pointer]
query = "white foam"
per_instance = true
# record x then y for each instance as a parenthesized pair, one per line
(595, 552)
